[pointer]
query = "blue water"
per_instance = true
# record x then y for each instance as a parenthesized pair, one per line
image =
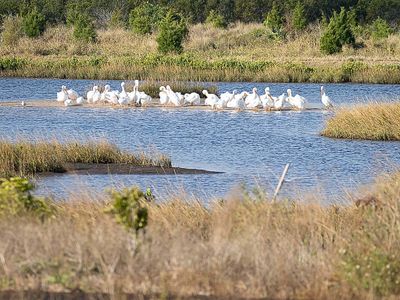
(249, 147)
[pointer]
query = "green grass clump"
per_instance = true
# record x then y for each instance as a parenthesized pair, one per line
(28, 158)
(374, 121)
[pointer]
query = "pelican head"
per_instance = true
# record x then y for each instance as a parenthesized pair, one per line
(107, 88)
(63, 88)
(255, 90)
(267, 90)
(205, 92)
(289, 92)
(162, 88)
(122, 84)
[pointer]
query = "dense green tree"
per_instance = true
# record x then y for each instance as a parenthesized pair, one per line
(216, 20)
(144, 19)
(299, 18)
(172, 32)
(34, 23)
(84, 29)
(274, 19)
(338, 32)
(380, 29)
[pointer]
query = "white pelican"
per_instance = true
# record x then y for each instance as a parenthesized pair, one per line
(192, 99)
(326, 101)
(280, 101)
(253, 100)
(90, 94)
(173, 97)
(267, 100)
(223, 101)
(80, 100)
(62, 95)
(68, 102)
(296, 101)
(163, 96)
(109, 96)
(227, 96)
(143, 99)
(96, 95)
(211, 99)
(72, 94)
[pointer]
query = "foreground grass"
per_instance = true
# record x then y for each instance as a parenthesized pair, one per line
(244, 52)
(374, 121)
(28, 158)
(241, 247)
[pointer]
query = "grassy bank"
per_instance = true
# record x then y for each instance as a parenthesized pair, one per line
(374, 121)
(242, 247)
(28, 158)
(244, 52)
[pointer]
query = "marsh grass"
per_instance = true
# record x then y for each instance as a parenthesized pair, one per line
(25, 158)
(241, 247)
(243, 52)
(373, 121)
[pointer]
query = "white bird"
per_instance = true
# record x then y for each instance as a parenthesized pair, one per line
(109, 96)
(192, 99)
(96, 96)
(223, 101)
(68, 102)
(296, 101)
(326, 101)
(72, 94)
(163, 96)
(62, 96)
(280, 101)
(211, 99)
(80, 100)
(143, 99)
(227, 95)
(23, 103)
(237, 102)
(253, 100)
(267, 100)
(173, 97)
(89, 95)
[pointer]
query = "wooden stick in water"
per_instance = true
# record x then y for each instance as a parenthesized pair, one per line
(281, 181)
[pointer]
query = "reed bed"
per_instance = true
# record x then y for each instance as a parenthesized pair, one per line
(26, 158)
(373, 121)
(241, 247)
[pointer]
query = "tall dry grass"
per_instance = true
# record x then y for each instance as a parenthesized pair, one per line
(242, 247)
(26, 158)
(373, 121)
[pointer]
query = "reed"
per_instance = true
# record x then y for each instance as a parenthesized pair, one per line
(25, 158)
(241, 247)
(373, 121)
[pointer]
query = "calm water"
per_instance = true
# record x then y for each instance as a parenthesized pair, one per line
(249, 147)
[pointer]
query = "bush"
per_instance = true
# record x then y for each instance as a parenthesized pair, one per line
(145, 18)
(380, 29)
(16, 199)
(34, 23)
(129, 208)
(299, 18)
(172, 31)
(216, 20)
(116, 20)
(338, 32)
(274, 19)
(84, 29)
(11, 30)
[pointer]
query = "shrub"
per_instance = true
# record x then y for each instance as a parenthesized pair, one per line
(380, 29)
(84, 29)
(34, 23)
(299, 19)
(172, 31)
(16, 199)
(274, 19)
(144, 19)
(11, 30)
(129, 208)
(216, 20)
(117, 20)
(338, 32)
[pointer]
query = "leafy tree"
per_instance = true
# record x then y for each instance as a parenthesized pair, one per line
(172, 32)
(144, 18)
(216, 20)
(380, 29)
(34, 23)
(84, 29)
(274, 19)
(299, 19)
(11, 30)
(338, 33)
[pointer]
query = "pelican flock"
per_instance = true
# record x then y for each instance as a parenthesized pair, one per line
(167, 97)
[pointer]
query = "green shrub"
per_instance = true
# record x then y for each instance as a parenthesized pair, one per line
(117, 19)
(380, 29)
(338, 32)
(129, 208)
(11, 30)
(34, 23)
(274, 19)
(299, 19)
(84, 29)
(216, 20)
(144, 19)
(16, 199)
(172, 32)
(11, 63)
